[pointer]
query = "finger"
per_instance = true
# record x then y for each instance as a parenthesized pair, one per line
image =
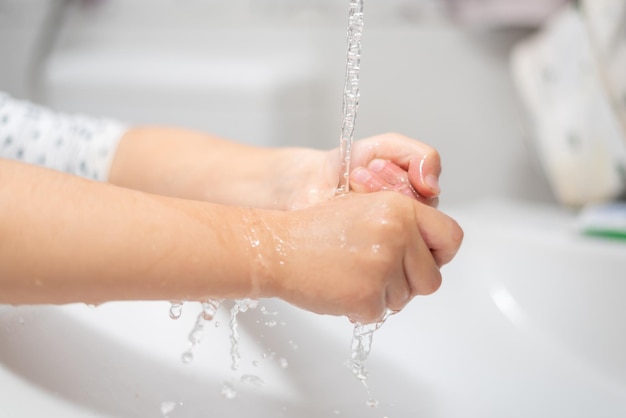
(398, 293)
(441, 234)
(393, 177)
(423, 275)
(363, 180)
(420, 160)
(384, 175)
(424, 174)
(370, 313)
(397, 148)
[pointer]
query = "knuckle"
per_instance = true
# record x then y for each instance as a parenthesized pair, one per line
(456, 234)
(431, 284)
(369, 302)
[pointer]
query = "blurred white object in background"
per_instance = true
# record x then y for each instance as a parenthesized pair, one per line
(504, 12)
(565, 85)
(606, 21)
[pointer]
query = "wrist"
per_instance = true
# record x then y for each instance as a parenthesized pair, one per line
(266, 247)
(300, 178)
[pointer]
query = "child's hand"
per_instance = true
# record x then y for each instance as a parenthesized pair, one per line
(356, 255)
(386, 162)
(193, 165)
(395, 162)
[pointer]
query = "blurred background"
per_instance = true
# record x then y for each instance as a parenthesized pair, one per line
(270, 72)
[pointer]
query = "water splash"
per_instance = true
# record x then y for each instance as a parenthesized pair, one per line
(241, 305)
(361, 346)
(209, 309)
(350, 92)
(168, 407)
(228, 391)
(283, 362)
(252, 379)
(363, 334)
(176, 309)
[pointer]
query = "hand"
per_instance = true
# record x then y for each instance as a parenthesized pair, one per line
(357, 254)
(194, 165)
(386, 162)
(398, 163)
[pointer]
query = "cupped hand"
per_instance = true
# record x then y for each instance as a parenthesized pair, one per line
(398, 163)
(388, 162)
(357, 254)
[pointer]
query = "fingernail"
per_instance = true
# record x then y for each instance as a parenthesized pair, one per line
(377, 165)
(433, 183)
(361, 175)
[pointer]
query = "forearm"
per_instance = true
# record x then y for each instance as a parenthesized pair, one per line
(193, 165)
(64, 239)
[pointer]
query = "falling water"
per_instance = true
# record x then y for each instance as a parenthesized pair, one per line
(350, 92)
(176, 309)
(361, 347)
(209, 309)
(241, 305)
(363, 334)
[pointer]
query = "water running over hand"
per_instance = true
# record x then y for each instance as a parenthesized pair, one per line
(350, 92)
(361, 346)
(363, 334)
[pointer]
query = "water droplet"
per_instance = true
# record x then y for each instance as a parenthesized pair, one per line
(372, 403)
(176, 310)
(209, 309)
(187, 357)
(283, 362)
(252, 379)
(271, 324)
(167, 407)
(246, 304)
(268, 354)
(264, 311)
(228, 391)
(196, 336)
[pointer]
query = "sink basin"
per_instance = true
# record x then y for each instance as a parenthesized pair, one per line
(557, 286)
(529, 322)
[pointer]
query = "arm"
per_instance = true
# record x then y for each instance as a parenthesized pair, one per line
(189, 164)
(65, 239)
(194, 165)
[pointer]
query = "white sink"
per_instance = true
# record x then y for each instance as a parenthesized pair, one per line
(529, 322)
